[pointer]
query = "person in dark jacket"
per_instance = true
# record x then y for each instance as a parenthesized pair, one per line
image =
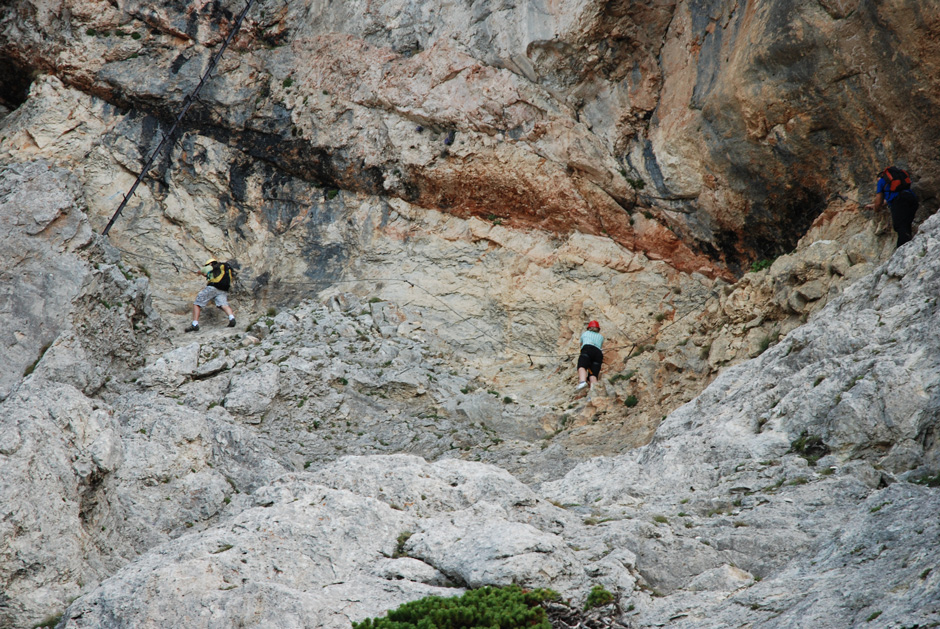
(894, 190)
(218, 283)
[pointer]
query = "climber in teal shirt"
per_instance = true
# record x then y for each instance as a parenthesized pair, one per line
(591, 358)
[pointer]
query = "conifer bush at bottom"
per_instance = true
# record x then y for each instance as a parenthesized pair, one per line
(486, 608)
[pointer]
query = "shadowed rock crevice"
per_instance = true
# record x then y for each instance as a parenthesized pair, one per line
(15, 80)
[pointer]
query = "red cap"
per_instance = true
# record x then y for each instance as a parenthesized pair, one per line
(594, 324)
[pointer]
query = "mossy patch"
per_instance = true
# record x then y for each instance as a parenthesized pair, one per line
(810, 447)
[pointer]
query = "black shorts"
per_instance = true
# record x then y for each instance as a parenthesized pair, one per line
(591, 359)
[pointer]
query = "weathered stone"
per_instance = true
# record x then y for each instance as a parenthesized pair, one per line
(251, 392)
(436, 199)
(173, 368)
(41, 227)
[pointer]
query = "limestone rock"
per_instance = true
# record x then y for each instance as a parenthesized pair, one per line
(818, 381)
(251, 393)
(538, 118)
(173, 368)
(309, 548)
(41, 228)
(436, 197)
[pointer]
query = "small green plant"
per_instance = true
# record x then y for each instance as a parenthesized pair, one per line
(923, 575)
(507, 608)
(49, 622)
(873, 616)
(818, 380)
(661, 519)
(400, 546)
(507, 400)
(764, 344)
(631, 401)
(331, 193)
(135, 35)
(598, 597)
(929, 481)
(622, 376)
(288, 82)
(42, 352)
(810, 447)
(760, 265)
(660, 317)
(636, 184)
(91, 33)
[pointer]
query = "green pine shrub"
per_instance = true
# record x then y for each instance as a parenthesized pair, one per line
(491, 607)
(598, 597)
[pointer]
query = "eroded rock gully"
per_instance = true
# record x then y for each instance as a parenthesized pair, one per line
(429, 201)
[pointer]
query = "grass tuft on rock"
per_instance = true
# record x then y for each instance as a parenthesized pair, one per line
(810, 447)
(400, 545)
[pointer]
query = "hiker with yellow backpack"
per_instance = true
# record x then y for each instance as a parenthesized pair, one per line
(894, 189)
(219, 278)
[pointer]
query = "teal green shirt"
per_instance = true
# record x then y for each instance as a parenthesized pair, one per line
(592, 338)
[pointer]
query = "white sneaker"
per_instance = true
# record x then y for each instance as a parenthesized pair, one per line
(580, 386)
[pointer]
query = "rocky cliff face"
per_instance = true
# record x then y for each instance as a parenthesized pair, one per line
(239, 478)
(428, 202)
(736, 124)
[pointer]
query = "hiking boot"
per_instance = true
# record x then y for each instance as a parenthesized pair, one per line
(231, 323)
(580, 386)
(193, 327)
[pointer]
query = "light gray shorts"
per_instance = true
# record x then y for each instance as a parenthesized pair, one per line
(209, 293)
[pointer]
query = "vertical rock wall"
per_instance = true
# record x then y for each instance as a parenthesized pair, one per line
(737, 124)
